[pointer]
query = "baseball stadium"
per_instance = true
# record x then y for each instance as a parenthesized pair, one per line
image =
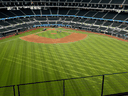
(63, 47)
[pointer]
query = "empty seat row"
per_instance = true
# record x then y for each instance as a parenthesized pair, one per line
(61, 11)
(84, 1)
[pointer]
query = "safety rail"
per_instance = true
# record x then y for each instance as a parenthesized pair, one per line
(63, 80)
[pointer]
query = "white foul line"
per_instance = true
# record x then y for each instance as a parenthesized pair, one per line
(9, 40)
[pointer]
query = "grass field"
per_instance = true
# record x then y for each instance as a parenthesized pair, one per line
(26, 62)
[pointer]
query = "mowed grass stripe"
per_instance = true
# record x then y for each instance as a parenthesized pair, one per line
(67, 52)
(91, 59)
(18, 58)
(55, 60)
(67, 61)
(47, 75)
(41, 58)
(84, 87)
(33, 71)
(117, 56)
(102, 52)
(79, 54)
(115, 46)
(93, 88)
(47, 61)
(71, 61)
(74, 64)
(72, 83)
(30, 87)
(23, 56)
(73, 53)
(53, 63)
(58, 52)
(3, 50)
(9, 70)
(118, 85)
(13, 52)
(2, 62)
(7, 53)
(5, 76)
(59, 65)
(113, 52)
(27, 66)
(75, 61)
(84, 55)
(57, 57)
(55, 72)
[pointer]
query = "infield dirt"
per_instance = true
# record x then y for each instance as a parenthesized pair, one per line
(37, 39)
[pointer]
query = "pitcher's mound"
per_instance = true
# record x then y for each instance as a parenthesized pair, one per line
(53, 33)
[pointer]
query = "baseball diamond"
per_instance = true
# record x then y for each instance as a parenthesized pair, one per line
(63, 48)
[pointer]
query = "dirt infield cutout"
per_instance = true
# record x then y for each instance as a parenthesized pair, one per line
(53, 33)
(51, 29)
(71, 38)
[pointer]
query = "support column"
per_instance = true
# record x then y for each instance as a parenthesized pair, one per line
(102, 86)
(116, 35)
(125, 37)
(63, 87)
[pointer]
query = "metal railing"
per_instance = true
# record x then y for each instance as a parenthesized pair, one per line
(63, 80)
(13, 86)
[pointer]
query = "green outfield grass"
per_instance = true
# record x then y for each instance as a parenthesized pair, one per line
(26, 62)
